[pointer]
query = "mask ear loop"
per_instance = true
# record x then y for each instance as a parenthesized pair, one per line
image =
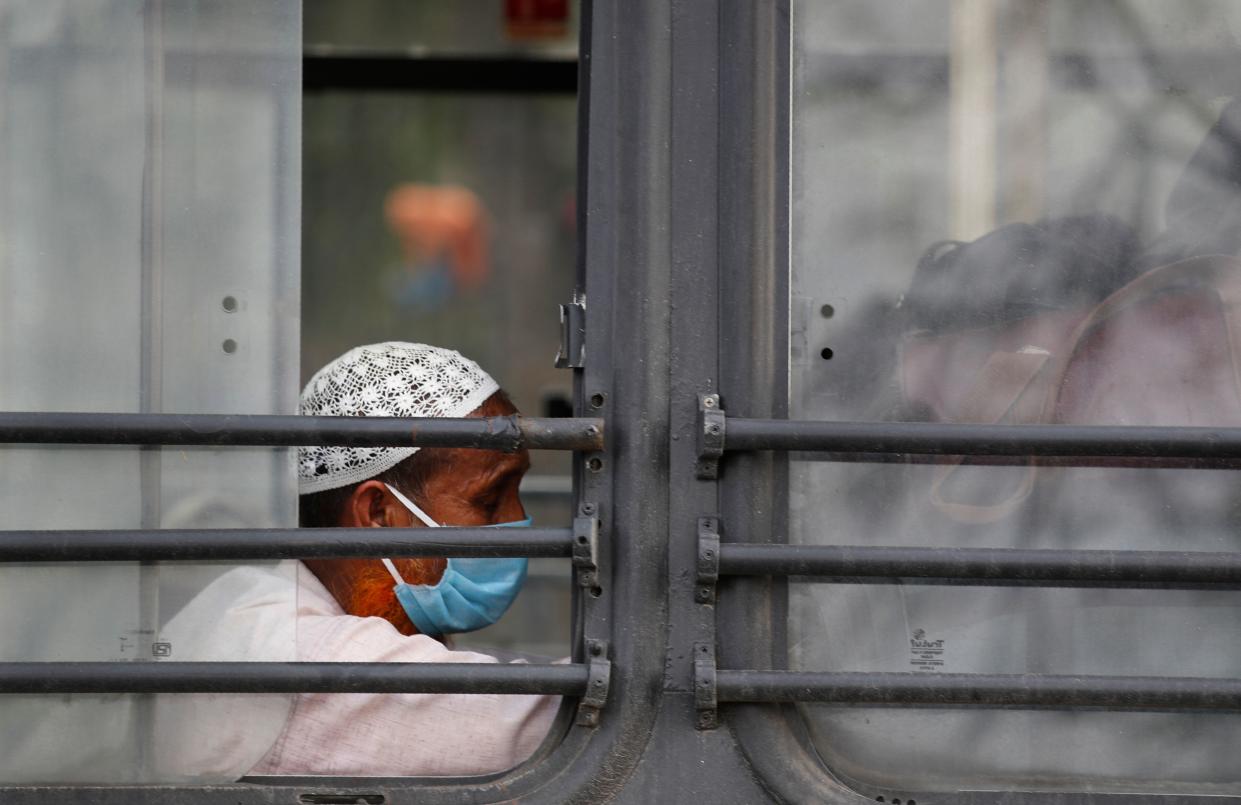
(417, 512)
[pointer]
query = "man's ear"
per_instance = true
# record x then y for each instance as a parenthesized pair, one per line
(371, 505)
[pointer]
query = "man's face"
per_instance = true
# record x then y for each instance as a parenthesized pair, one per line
(475, 487)
(467, 488)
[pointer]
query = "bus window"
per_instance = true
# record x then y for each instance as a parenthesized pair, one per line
(1014, 213)
(153, 159)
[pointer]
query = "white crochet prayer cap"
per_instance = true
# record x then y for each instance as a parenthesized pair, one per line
(389, 379)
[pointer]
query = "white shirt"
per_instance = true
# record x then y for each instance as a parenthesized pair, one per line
(247, 614)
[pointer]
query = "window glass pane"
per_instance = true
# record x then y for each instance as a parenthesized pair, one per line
(449, 220)
(970, 180)
(149, 193)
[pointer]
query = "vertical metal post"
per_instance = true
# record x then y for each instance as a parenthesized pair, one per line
(973, 76)
(753, 381)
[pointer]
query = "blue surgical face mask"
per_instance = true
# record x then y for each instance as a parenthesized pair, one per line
(472, 593)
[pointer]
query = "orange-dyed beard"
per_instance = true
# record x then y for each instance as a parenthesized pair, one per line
(363, 587)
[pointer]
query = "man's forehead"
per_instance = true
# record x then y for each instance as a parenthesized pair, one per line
(499, 461)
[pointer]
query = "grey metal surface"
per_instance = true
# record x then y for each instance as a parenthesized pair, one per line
(494, 433)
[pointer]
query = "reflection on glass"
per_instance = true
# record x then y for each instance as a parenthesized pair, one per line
(148, 263)
(1040, 226)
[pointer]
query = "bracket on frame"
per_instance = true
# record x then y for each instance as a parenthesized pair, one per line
(708, 565)
(572, 352)
(711, 424)
(586, 546)
(708, 573)
(706, 701)
(598, 680)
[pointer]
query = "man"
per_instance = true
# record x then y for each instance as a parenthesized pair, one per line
(387, 610)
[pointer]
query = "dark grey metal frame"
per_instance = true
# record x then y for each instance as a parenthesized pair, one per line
(682, 580)
(746, 580)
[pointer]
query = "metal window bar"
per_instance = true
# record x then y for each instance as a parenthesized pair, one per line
(1024, 691)
(280, 543)
(507, 433)
(984, 566)
(288, 677)
(944, 439)
(718, 434)
(495, 433)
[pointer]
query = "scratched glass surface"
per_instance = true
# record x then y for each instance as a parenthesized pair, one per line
(148, 263)
(970, 182)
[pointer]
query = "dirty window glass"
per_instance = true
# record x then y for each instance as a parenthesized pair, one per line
(1019, 212)
(149, 196)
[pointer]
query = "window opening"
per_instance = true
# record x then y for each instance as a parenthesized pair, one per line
(198, 71)
(439, 167)
(1031, 186)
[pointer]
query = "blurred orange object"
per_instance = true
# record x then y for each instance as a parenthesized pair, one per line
(442, 222)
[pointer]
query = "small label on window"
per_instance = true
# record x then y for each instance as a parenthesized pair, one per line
(925, 653)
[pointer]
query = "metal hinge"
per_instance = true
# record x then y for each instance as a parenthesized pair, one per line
(705, 699)
(586, 546)
(708, 573)
(710, 436)
(572, 354)
(598, 680)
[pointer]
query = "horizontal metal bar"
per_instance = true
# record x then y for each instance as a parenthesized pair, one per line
(1108, 462)
(984, 566)
(325, 69)
(263, 430)
(241, 544)
(290, 677)
(943, 439)
(1201, 71)
(1018, 691)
